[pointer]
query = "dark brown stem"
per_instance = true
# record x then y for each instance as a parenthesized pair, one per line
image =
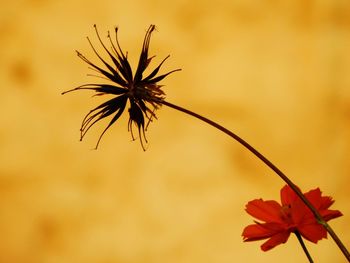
(273, 167)
(300, 239)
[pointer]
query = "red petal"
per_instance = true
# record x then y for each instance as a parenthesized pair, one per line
(330, 214)
(288, 196)
(255, 232)
(322, 203)
(313, 232)
(275, 240)
(326, 202)
(315, 198)
(300, 212)
(268, 211)
(261, 231)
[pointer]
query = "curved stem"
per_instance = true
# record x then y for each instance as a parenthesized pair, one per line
(300, 239)
(273, 167)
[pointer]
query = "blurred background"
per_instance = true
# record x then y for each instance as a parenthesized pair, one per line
(275, 72)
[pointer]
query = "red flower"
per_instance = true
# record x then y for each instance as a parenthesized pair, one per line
(293, 215)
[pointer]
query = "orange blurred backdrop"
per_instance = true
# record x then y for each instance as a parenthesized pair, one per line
(275, 72)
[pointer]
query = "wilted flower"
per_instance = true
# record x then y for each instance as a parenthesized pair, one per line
(293, 215)
(144, 94)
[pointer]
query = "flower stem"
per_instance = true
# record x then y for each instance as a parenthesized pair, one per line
(273, 167)
(300, 239)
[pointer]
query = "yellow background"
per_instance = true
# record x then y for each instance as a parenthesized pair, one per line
(275, 72)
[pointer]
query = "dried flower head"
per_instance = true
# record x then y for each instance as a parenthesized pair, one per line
(144, 94)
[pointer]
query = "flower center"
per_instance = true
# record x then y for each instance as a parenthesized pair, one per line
(146, 92)
(286, 213)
